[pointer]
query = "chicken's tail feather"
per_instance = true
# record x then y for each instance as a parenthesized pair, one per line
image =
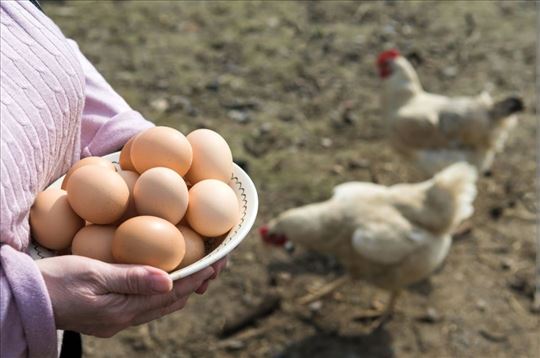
(456, 183)
(506, 107)
(441, 203)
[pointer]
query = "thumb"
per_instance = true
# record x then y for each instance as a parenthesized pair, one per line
(137, 280)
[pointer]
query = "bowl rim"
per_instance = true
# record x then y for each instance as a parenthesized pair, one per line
(249, 204)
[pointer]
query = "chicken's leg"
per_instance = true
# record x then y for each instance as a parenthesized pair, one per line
(391, 303)
(387, 313)
(380, 316)
(323, 291)
(462, 230)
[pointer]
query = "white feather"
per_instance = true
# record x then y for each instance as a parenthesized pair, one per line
(440, 130)
(351, 189)
(387, 244)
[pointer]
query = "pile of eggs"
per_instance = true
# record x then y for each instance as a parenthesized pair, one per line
(170, 198)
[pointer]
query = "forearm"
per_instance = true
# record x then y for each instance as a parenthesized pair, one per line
(113, 134)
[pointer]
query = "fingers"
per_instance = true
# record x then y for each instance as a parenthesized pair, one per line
(136, 280)
(181, 302)
(194, 281)
(219, 266)
(139, 302)
(160, 312)
(151, 308)
(181, 288)
(202, 288)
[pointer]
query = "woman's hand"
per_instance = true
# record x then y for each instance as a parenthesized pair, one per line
(100, 299)
(218, 267)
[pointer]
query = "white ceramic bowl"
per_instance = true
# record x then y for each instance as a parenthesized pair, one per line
(249, 204)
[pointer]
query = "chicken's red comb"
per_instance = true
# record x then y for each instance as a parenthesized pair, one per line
(388, 55)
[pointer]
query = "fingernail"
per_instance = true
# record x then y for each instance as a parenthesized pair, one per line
(161, 283)
(202, 289)
(200, 292)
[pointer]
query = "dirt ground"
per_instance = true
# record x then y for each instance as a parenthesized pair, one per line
(293, 88)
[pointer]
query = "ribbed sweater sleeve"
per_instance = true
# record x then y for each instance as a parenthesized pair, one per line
(27, 322)
(107, 120)
(55, 109)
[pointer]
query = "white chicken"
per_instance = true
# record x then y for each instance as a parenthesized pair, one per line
(389, 236)
(434, 131)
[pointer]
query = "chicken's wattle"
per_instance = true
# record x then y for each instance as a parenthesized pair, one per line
(271, 238)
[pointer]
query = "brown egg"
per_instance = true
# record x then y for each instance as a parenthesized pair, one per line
(64, 252)
(213, 208)
(161, 147)
(125, 156)
(212, 157)
(94, 241)
(130, 178)
(149, 240)
(97, 194)
(161, 192)
(183, 222)
(87, 161)
(212, 243)
(53, 221)
(194, 246)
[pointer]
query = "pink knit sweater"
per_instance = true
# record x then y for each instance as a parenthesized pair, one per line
(55, 109)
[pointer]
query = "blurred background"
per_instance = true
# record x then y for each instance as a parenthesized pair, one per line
(293, 88)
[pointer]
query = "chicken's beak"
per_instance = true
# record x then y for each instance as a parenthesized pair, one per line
(272, 238)
(263, 231)
(289, 247)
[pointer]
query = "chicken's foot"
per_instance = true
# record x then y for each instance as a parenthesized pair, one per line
(323, 291)
(379, 317)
